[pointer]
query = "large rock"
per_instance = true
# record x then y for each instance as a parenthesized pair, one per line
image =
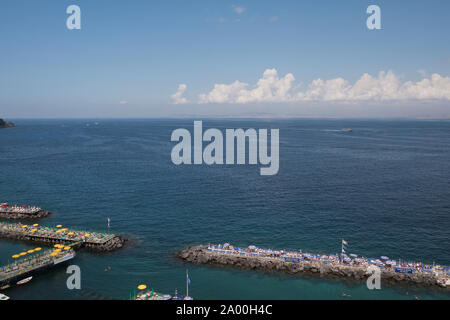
(4, 124)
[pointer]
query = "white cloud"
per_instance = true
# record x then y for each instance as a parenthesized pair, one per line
(239, 10)
(272, 88)
(177, 97)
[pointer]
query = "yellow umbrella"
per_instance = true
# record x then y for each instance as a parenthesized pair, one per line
(87, 234)
(34, 230)
(142, 287)
(35, 225)
(30, 251)
(58, 250)
(16, 256)
(59, 226)
(54, 253)
(67, 248)
(65, 229)
(70, 234)
(22, 253)
(59, 231)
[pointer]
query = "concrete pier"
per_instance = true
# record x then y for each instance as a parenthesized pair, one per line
(24, 216)
(33, 262)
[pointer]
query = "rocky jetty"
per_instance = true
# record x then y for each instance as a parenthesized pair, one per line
(24, 216)
(200, 255)
(113, 244)
(4, 124)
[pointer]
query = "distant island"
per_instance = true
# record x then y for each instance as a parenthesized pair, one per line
(4, 124)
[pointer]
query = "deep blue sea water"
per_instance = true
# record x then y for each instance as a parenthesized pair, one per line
(385, 188)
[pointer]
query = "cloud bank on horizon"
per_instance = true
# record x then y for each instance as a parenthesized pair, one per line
(271, 88)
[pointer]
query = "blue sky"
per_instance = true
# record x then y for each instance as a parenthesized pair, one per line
(131, 56)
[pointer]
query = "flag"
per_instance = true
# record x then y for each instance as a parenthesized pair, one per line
(344, 245)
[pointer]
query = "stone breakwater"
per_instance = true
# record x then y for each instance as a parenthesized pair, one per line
(24, 216)
(199, 255)
(112, 243)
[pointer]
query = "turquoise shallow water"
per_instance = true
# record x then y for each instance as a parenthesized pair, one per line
(384, 188)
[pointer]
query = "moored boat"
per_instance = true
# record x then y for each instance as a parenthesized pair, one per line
(24, 281)
(3, 297)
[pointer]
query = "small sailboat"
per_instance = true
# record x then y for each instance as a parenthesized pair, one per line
(23, 281)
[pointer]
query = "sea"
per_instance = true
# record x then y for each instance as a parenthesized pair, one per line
(384, 188)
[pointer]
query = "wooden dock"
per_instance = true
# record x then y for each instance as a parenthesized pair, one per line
(96, 241)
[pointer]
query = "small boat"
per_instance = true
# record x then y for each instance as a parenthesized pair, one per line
(26, 280)
(346, 130)
(3, 297)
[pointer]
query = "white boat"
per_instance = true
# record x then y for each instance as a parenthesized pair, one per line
(23, 281)
(3, 297)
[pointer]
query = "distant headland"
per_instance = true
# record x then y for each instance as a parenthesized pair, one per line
(4, 124)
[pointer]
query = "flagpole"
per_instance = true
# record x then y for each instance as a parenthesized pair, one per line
(187, 283)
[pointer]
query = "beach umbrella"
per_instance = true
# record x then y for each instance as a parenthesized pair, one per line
(16, 256)
(38, 249)
(30, 251)
(142, 287)
(87, 234)
(384, 258)
(67, 248)
(59, 226)
(22, 253)
(34, 230)
(35, 225)
(70, 234)
(54, 254)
